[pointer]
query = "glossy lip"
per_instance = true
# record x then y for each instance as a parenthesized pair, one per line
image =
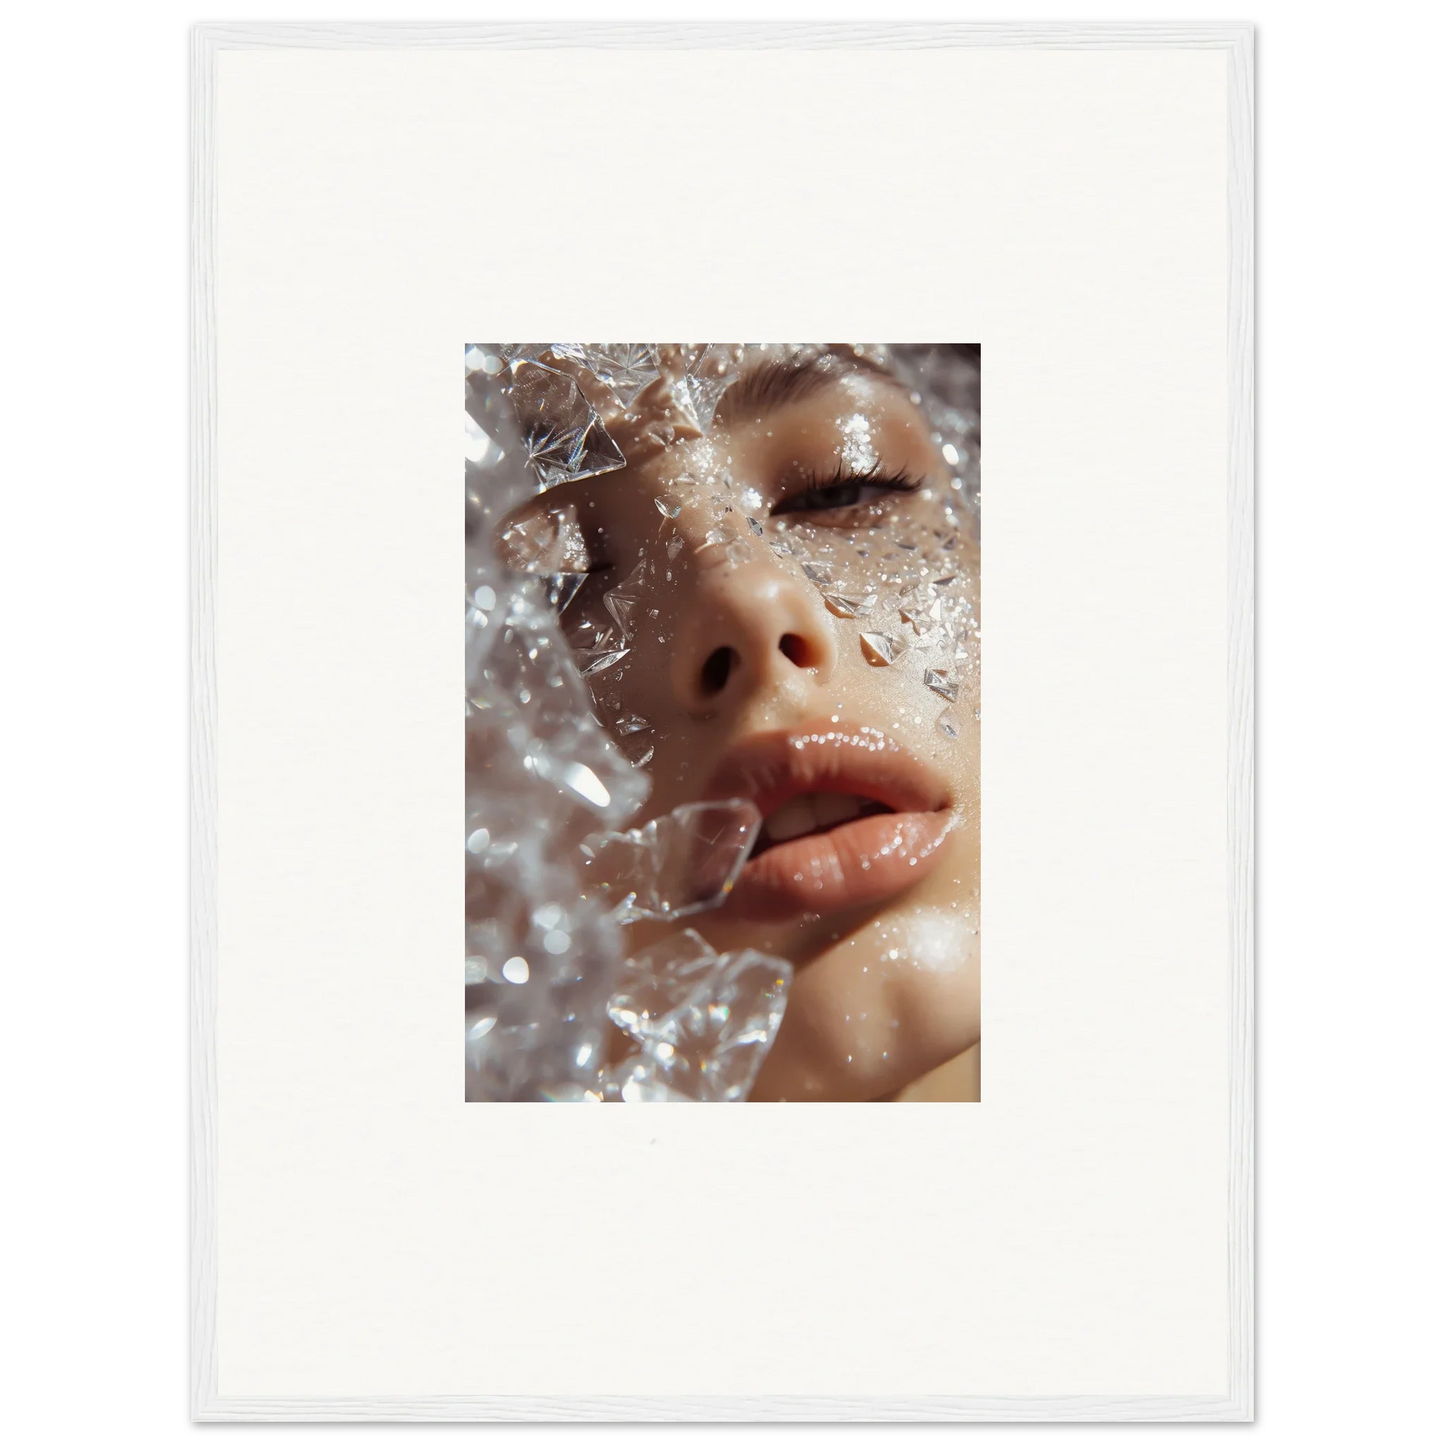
(854, 864)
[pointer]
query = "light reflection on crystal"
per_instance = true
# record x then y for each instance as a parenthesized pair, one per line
(881, 648)
(842, 606)
(937, 681)
(674, 866)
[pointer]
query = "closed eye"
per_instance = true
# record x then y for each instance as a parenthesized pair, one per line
(845, 488)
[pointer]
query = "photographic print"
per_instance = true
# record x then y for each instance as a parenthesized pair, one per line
(722, 722)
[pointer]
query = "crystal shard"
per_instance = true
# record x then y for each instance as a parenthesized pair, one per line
(674, 866)
(624, 601)
(937, 681)
(843, 606)
(705, 1021)
(626, 368)
(547, 542)
(599, 659)
(565, 439)
(562, 587)
(881, 648)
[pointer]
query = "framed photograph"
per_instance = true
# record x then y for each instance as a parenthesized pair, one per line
(736, 805)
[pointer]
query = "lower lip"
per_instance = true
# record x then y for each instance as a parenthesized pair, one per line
(848, 867)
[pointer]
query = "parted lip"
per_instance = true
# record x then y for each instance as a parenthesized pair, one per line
(772, 768)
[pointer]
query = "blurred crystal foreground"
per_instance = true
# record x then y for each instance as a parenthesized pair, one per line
(552, 875)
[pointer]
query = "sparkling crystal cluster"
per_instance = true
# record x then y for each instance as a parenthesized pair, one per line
(552, 876)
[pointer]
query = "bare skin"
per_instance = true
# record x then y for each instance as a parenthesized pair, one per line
(732, 641)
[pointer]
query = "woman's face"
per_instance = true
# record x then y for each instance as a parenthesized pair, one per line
(786, 608)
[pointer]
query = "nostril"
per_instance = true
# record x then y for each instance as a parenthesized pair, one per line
(798, 650)
(717, 669)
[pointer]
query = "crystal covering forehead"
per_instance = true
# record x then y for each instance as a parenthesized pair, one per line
(561, 607)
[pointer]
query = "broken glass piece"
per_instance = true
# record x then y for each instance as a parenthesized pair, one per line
(627, 368)
(938, 681)
(623, 600)
(565, 440)
(923, 614)
(710, 371)
(842, 606)
(674, 546)
(675, 865)
(549, 541)
(881, 648)
(655, 981)
(667, 507)
(639, 1080)
(819, 576)
(598, 659)
(947, 723)
(755, 526)
(562, 587)
(705, 1020)
(630, 724)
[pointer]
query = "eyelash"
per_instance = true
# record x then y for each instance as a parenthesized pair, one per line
(817, 486)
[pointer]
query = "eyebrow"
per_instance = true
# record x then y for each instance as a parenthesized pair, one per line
(781, 380)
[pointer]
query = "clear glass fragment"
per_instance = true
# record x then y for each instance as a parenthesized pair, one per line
(936, 680)
(675, 865)
(705, 1020)
(881, 648)
(842, 606)
(565, 439)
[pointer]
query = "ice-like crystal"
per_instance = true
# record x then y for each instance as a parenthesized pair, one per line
(704, 1020)
(844, 606)
(947, 723)
(881, 648)
(819, 576)
(623, 601)
(667, 507)
(627, 368)
(598, 659)
(565, 439)
(639, 1080)
(710, 371)
(674, 866)
(562, 587)
(547, 542)
(938, 681)
(922, 613)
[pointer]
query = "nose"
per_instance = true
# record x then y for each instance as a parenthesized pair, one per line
(749, 628)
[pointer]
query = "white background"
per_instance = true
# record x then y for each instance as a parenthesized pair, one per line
(376, 1235)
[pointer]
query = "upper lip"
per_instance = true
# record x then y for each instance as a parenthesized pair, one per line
(826, 757)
